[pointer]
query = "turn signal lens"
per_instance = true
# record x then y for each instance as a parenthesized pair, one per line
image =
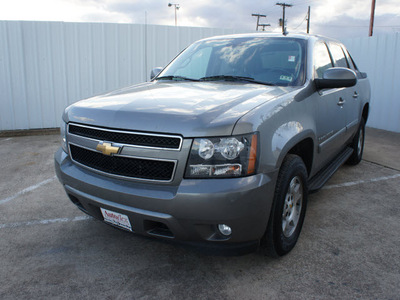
(63, 136)
(252, 156)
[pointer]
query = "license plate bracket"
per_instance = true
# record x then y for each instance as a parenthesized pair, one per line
(116, 219)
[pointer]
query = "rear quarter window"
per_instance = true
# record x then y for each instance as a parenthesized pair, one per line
(338, 55)
(350, 61)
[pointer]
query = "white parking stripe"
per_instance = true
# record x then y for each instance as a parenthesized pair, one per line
(83, 218)
(44, 222)
(346, 184)
(28, 189)
(6, 140)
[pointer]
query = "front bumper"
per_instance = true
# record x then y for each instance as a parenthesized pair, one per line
(189, 211)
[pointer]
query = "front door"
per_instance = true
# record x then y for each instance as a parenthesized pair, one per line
(331, 113)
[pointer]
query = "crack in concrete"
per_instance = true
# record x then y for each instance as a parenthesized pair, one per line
(383, 166)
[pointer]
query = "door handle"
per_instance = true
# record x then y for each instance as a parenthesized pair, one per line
(355, 96)
(341, 102)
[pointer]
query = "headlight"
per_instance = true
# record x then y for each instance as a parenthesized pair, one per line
(63, 136)
(232, 156)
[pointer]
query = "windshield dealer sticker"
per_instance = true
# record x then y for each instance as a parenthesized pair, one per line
(286, 78)
(292, 58)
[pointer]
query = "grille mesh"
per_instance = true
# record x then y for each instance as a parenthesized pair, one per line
(123, 166)
(127, 138)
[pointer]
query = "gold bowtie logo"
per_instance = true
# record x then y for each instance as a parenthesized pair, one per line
(107, 148)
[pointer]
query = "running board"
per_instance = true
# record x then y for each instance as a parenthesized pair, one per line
(323, 176)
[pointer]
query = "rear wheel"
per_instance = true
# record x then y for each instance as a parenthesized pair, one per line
(289, 207)
(358, 145)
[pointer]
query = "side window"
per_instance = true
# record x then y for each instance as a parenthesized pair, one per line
(338, 55)
(350, 61)
(322, 60)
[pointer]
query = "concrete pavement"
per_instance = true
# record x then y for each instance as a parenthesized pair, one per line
(349, 246)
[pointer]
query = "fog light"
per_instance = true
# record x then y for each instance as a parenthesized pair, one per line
(224, 229)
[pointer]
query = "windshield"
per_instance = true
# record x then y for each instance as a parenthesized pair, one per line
(265, 60)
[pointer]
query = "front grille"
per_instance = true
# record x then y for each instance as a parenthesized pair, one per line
(145, 140)
(124, 166)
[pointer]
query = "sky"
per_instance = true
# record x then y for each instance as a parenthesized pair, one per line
(333, 18)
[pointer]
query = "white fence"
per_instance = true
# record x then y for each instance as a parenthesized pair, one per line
(45, 66)
(379, 56)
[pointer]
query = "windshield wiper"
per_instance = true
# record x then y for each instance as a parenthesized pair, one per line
(233, 78)
(177, 78)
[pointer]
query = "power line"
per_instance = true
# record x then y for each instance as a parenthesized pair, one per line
(307, 2)
(305, 18)
(360, 26)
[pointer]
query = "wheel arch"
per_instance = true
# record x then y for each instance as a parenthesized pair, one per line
(302, 145)
(365, 112)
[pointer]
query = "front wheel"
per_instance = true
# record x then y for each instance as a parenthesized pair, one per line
(289, 207)
(358, 145)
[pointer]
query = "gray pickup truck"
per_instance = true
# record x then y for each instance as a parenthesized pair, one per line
(223, 145)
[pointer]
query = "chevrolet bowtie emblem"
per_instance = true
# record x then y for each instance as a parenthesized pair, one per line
(107, 148)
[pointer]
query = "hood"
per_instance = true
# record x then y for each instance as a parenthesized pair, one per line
(191, 109)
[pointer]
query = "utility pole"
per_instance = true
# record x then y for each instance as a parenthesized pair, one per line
(371, 21)
(284, 5)
(258, 19)
(263, 26)
(308, 19)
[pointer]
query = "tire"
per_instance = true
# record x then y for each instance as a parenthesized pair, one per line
(357, 145)
(288, 209)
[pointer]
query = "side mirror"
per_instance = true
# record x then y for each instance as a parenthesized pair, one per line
(336, 78)
(155, 72)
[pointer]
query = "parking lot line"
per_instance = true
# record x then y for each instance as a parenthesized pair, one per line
(83, 218)
(327, 187)
(346, 184)
(28, 189)
(44, 222)
(6, 140)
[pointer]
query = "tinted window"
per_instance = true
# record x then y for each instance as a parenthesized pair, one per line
(350, 60)
(322, 60)
(338, 56)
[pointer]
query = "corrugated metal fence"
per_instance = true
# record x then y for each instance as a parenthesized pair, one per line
(379, 56)
(45, 66)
